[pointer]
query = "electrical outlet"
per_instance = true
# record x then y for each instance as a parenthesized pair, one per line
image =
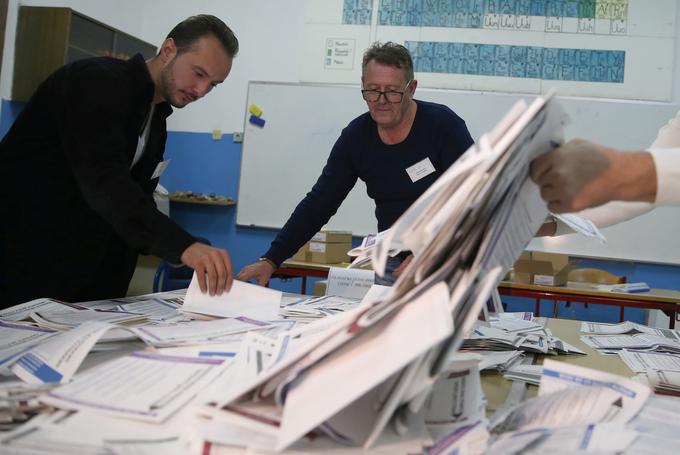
(238, 137)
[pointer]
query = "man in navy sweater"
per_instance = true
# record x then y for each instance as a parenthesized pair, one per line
(398, 148)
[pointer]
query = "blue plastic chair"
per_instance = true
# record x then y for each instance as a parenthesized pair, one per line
(169, 277)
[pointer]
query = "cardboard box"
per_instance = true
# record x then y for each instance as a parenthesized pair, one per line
(332, 237)
(547, 269)
(319, 288)
(302, 254)
(328, 253)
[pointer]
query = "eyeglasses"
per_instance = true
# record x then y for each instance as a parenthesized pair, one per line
(391, 96)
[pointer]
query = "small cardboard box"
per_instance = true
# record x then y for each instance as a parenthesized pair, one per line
(545, 269)
(332, 237)
(302, 254)
(329, 253)
(319, 288)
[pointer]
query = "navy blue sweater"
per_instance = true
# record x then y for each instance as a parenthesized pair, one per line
(437, 133)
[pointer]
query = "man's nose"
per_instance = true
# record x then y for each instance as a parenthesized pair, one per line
(202, 89)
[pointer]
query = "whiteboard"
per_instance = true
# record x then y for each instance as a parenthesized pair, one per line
(282, 160)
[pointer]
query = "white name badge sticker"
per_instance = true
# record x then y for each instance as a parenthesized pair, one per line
(160, 168)
(420, 169)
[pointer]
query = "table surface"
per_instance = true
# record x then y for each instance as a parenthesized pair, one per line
(576, 288)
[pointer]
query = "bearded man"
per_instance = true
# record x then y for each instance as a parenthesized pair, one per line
(81, 161)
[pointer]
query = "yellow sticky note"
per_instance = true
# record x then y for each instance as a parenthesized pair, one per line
(256, 111)
(217, 135)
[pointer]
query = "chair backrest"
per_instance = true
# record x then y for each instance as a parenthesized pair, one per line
(595, 276)
(169, 277)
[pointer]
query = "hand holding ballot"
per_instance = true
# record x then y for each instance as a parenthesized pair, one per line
(214, 262)
(581, 174)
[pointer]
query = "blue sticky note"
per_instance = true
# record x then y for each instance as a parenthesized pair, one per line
(256, 121)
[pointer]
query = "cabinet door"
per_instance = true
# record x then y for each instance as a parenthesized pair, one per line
(126, 46)
(88, 39)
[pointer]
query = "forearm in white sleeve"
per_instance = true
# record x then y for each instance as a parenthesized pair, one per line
(667, 164)
(665, 151)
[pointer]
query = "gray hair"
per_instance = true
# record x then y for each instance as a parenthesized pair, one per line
(390, 54)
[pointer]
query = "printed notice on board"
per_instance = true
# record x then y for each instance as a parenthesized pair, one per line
(353, 283)
(339, 54)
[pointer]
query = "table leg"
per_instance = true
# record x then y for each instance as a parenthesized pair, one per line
(622, 313)
(537, 313)
(671, 324)
(304, 285)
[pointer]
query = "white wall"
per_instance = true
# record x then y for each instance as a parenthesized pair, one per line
(271, 34)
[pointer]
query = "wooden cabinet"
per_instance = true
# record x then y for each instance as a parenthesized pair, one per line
(49, 37)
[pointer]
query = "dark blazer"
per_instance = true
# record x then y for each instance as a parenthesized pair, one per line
(73, 215)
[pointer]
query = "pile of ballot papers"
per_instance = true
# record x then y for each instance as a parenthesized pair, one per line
(262, 372)
(652, 352)
(579, 410)
(493, 337)
(465, 232)
(629, 336)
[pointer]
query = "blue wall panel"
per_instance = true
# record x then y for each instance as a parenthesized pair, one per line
(202, 164)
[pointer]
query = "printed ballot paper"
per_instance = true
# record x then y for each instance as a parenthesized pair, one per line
(57, 359)
(143, 386)
(569, 395)
(15, 339)
(244, 299)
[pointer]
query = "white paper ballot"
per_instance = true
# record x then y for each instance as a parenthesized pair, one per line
(57, 359)
(354, 283)
(581, 225)
(24, 310)
(244, 299)
(570, 395)
(644, 361)
(377, 292)
(350, 373)
(142, 386)
(17, 338)
(197, 332)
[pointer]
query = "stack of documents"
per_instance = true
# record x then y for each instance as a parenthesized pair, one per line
(466, 231)
(19, 402)
(664, 382)
(612, 344)
(641, 361)
(318, 307)
(498, 360)
(525, 336)
(531, 374)
(576, 409)
(599, 328)
(69, 315)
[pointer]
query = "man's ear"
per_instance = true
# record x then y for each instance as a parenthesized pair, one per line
(168, 50)
(413, 86)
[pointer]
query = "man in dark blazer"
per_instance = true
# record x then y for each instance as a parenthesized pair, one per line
(81, 161)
